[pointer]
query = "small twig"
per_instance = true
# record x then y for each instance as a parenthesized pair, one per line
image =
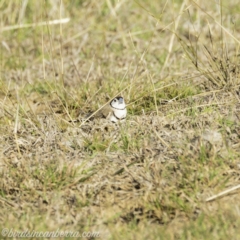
(10, 203)
(199, 106)
(16, 129)
(154, 90)
(161, 140)
(121, 170)
(219, 24)
(223, 193)
(171, 42)
(56, 21)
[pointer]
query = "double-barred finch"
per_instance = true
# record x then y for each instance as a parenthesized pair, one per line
(114, 111)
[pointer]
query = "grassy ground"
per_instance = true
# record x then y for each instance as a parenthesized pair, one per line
(176, 63)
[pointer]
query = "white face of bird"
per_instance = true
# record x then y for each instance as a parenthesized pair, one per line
(118, 103)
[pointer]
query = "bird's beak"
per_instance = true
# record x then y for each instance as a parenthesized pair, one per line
(121, 100)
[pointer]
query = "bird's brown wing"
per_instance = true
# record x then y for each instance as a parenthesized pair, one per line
(102, 113)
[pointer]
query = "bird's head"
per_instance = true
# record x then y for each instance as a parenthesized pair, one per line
(118, 103)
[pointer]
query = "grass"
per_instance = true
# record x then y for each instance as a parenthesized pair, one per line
(176, 65)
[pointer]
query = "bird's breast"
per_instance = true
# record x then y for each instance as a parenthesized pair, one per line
(121, 113)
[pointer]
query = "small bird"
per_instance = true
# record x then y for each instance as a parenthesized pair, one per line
(114, 111)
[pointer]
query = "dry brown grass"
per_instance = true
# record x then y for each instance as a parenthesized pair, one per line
(176, 64)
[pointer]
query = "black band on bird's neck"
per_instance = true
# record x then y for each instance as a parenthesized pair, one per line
(118, 117)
